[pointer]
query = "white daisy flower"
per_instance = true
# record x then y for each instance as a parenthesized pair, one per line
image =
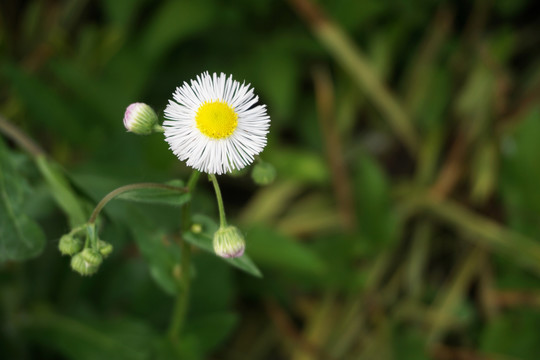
(214, 125)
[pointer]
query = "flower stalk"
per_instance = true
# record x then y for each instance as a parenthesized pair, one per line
(126, 188)
(221, 208)
(182, 299)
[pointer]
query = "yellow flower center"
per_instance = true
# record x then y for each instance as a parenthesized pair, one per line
(216, 119)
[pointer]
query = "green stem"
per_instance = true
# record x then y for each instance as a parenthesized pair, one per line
(158, 128)
(182, 300)
(222, 218)
(91, 237)
(126, 188)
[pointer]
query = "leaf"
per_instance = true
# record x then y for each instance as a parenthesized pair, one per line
(162, 255)
(20, 237)
(45, 105)
(497, 338)
(408, 344)
(268, 246)
(520, 175)
(173, 22)
(203, 240)
(91, 339)
(62, 191)
(378, 223)
(212, 330)
(176, 195)
(304, 166)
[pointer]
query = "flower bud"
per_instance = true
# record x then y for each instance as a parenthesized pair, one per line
(92, 257)
(70, 245)
(263, 173)
(105, 248)
(229, 242)
(86, 262)
(140, 119)
(196, 228)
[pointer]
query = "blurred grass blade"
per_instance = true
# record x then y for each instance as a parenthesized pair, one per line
(449, 300)
(523, 250)
(20, 237)
(340, 45)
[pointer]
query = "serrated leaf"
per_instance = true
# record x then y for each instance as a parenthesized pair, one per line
(175, 195)
(20, 237)
(203, 240)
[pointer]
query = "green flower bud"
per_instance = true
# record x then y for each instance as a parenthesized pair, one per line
(92, 257)
(229, 242)
(70, 245)
(196, 228)
(86, 262)
(263, 173)
(105, 249)
(140, 119)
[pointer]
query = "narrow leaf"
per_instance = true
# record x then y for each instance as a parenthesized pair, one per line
(61, 190)
(176, 195)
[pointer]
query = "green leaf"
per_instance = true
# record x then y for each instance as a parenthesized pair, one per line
(62, 191)
(269, 247)
(176, 195)
(44, 104)
(211, 330)
(408, 344)
(20, 237)
(92, 339)
(304, 166)
(173, 22)
(203, 240)
(497, 337)
(378, 222)
(520, 175)
(162, 254)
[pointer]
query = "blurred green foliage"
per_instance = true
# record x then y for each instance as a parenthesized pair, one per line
(403, 222)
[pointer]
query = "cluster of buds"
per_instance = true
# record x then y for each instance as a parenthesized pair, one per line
(87, 255)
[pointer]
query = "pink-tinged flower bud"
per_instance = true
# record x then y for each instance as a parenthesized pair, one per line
(229, 242)
(140, 119)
